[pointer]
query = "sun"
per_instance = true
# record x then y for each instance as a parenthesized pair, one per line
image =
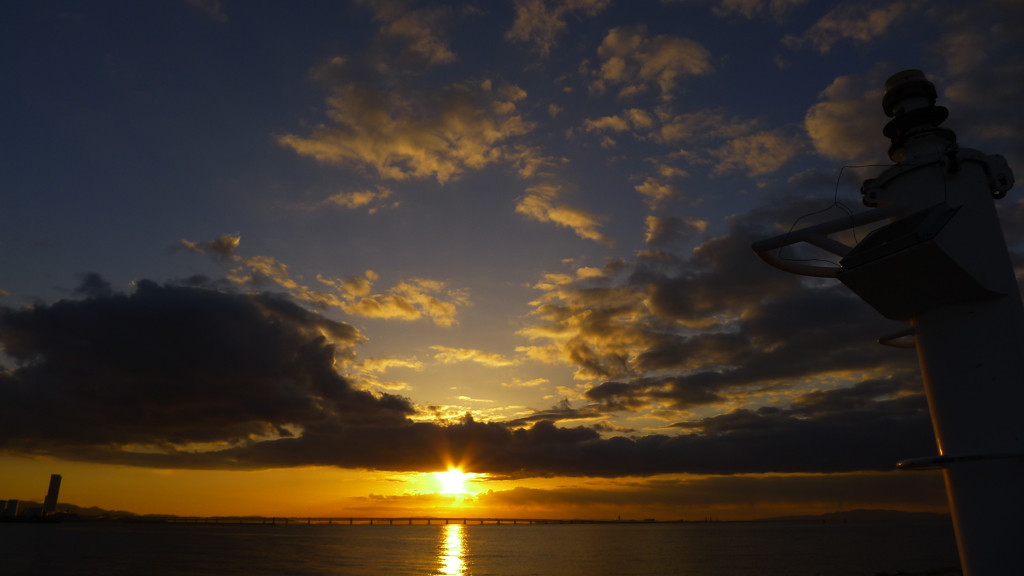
(453, 481)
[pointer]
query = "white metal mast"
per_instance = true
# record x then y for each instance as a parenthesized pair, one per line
(941, 264)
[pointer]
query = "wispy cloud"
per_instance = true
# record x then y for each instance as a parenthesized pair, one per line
(448, 355)
(410, 299)
(858, 22)
(542, 203)
(517, 383)
(439, 134)
(374, 200)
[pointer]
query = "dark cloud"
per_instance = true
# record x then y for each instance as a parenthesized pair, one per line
(167, 366)
(562, 411)
(92, 284)
(666, 231)
(180, 376)
(189, 376)
(703, 330)
(870, 490)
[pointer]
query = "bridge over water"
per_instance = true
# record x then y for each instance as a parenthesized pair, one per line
(353, 520)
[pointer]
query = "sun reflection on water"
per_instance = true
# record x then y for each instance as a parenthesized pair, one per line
(452, 553)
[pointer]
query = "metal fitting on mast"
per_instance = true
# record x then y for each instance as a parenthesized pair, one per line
(910, 101)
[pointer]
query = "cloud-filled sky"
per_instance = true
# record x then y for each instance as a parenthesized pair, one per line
(322, 250)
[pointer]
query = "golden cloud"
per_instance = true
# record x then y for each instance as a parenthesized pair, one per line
(654, 191)
(517, 383)
(219, 248)
(530, 161)
(837, 127)
(757, 154)
(383, 364)
(447, 355)
(613, 123)
(359, 199)
(408, 300)
(541, 203)
(630, 58)
(400, 136)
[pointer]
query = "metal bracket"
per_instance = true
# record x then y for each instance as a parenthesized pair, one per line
(892, 339)
(931, 462)
(1000, 176)
(818, 236)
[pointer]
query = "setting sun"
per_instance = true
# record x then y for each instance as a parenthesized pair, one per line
(453, 481)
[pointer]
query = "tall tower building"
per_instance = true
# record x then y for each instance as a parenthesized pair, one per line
(50, 504)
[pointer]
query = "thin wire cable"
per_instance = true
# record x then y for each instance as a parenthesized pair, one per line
(835, 202)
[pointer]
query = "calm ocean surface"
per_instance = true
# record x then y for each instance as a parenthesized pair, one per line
(728, 549)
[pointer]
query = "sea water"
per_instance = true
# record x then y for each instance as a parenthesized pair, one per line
(692, 549)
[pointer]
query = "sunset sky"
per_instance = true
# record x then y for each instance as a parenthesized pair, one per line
(293, 258)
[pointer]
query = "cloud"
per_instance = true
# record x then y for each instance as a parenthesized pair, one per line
(737, 496)
(638, 118)
(92, 284)
(384, 364)
(670, 230)
(654, 191)
(168, 366)
(847, 124)
(369, 382)
(540, 22)
(740, 497)
(613, 123)
(447, 355)
(517, 383)
(414, 134)
(411, 300)
(742, 144)
(220, 248)
(712, 137)
(634, 117)
(716, 329)
(701, 125)
(630, 58)
(180, 377)
(531, 162)
(359, 199)
(747, 8)
(757, 154)
(858, 22)
(541, 203)
(408, 300)
(418, 33)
